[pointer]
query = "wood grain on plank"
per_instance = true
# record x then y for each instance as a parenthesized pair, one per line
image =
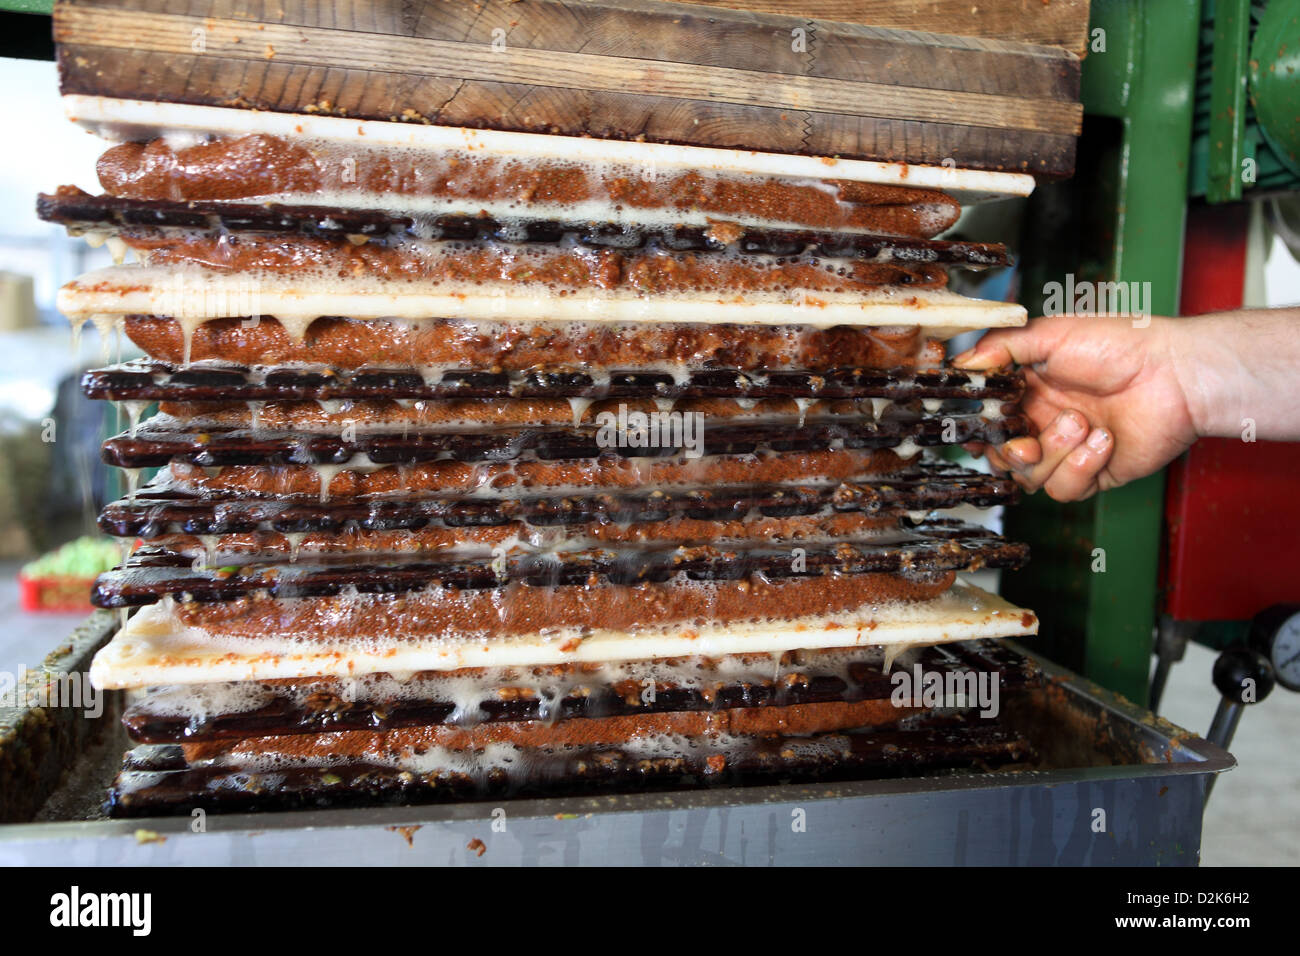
(1059, 23)
(623, 68)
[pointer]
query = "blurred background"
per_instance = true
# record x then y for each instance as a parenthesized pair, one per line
(51, 480)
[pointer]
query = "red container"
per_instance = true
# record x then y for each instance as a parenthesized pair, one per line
(60, 595)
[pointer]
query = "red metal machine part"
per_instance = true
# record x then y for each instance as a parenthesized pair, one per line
(1232, 513)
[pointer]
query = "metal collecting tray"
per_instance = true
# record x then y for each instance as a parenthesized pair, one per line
(1099, 753)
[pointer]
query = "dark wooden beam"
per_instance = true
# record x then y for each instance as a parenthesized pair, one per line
(664, 72)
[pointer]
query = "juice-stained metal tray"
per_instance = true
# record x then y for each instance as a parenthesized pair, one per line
(1114, 785)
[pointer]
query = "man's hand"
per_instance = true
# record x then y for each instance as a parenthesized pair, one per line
(1105, 397)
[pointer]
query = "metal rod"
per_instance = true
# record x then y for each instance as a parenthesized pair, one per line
(1222, 728)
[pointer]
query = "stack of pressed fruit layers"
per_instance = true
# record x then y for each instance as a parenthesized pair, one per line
(506, 465)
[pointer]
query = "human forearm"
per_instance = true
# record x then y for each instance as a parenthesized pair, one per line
(1240, 372)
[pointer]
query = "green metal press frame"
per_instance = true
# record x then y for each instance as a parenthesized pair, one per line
(1121, 218)
(28, 6)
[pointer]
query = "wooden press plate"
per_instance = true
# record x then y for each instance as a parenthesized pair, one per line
(613, 69)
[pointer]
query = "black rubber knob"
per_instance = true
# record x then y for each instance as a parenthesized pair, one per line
(1243, 676)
